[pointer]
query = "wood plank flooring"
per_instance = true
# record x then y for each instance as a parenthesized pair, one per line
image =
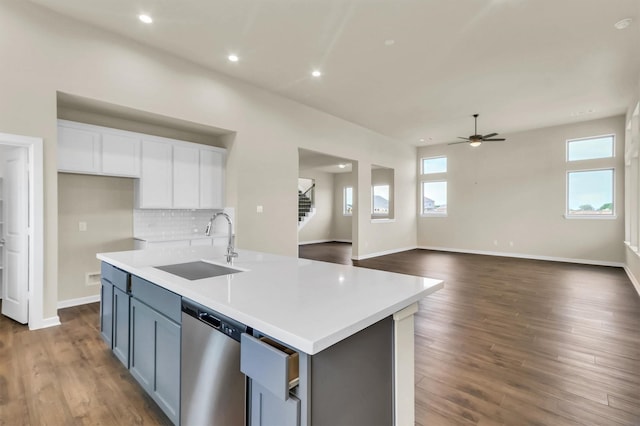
(518, 342)
(66, 376)
(506, 342)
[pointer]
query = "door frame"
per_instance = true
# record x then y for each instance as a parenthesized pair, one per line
(35, 147)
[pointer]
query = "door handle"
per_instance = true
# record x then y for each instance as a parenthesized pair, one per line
(2, 241)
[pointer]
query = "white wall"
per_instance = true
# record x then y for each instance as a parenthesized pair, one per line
(319, 226)
(514, 191)
(105, 204)
(342, 225)
(632, 258)
(44, 53)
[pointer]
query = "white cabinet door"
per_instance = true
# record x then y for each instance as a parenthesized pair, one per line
(120, 155)
(155, 184)
(78, 150)
(186, 183)
(211, 179)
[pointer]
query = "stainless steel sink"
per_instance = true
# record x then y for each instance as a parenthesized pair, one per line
(197, 270)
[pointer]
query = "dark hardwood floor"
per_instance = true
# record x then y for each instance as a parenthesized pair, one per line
(518, 342)
(507, 341)
(63, 376)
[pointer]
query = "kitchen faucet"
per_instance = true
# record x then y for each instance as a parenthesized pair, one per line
(230, 253)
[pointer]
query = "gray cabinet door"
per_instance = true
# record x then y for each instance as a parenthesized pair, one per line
(155, 356)
(106, 312)
(268, 410)
(121, 301)
(142, 337)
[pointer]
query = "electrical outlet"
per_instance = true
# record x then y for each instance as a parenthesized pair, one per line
(82, 226)
(259, 209)
(495, 242)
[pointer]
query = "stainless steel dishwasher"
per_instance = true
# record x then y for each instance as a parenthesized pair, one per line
(213, 390)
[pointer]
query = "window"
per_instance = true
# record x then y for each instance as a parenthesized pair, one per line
(590, 148)
(380, 200)
(347, 208)
(434, 198)
(434, 188)
(434, 165)
(590, 193)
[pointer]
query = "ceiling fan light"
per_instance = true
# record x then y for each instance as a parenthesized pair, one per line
(475, 143)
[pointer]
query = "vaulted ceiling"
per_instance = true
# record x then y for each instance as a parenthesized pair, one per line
(409, 69)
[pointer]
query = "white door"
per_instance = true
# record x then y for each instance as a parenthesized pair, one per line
(15, 273)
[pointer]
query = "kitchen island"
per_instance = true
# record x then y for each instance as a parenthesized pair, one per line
(349, 325)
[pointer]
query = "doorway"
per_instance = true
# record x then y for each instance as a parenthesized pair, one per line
(333, 187)
(21, 231)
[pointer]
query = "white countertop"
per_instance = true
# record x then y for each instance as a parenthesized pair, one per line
(305, 304)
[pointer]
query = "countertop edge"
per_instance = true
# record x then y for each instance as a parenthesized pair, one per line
(297, 342)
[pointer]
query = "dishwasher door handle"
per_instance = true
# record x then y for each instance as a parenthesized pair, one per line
(209, 319)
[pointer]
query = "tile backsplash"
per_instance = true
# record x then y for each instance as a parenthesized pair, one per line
(167, 224)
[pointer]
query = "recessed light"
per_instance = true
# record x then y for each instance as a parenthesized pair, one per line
(421, 139)
(623, 23)
(316, 73)
(342, 166)
(389, 42)
(145, 18)
(233, 58)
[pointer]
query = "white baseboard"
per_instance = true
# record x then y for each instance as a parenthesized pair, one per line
(79, 301)
(528, 256)
(633, 279)
(333, 240)
(302, 243)
(381, 253)
(46, 323)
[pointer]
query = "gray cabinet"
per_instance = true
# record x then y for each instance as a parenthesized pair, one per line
(155, 335)
(106, 312)
(272, 370)
(268, 410)
(112, 319)
(121, 302)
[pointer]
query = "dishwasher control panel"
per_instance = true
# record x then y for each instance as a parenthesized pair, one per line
(215, 320)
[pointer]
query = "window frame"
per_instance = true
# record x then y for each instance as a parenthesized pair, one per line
(422, 168)
(373, 213)
(614, 208)
(423, 213)
(344, 201)
(613, 147)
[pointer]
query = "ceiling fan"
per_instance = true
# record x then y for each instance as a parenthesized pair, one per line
(476, 139)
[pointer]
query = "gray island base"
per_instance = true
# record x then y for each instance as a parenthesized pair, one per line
(334, 348)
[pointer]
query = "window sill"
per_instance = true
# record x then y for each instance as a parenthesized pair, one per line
(434, 215)
(383, 220)
(596, 217)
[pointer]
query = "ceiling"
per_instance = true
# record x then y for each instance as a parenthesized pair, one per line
(408, 69)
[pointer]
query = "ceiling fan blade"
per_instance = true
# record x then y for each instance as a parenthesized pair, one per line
(490, 135)
(493, 140)
(455, 143)
(460, 137)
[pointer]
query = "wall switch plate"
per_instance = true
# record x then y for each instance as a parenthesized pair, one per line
(82, 226)
(259, 209)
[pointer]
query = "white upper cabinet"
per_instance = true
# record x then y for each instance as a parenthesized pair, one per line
(155, 188)
(78, 150)
(88, 149)
(120, 155)
(173, 174)
(186, 179)
(211, 179)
